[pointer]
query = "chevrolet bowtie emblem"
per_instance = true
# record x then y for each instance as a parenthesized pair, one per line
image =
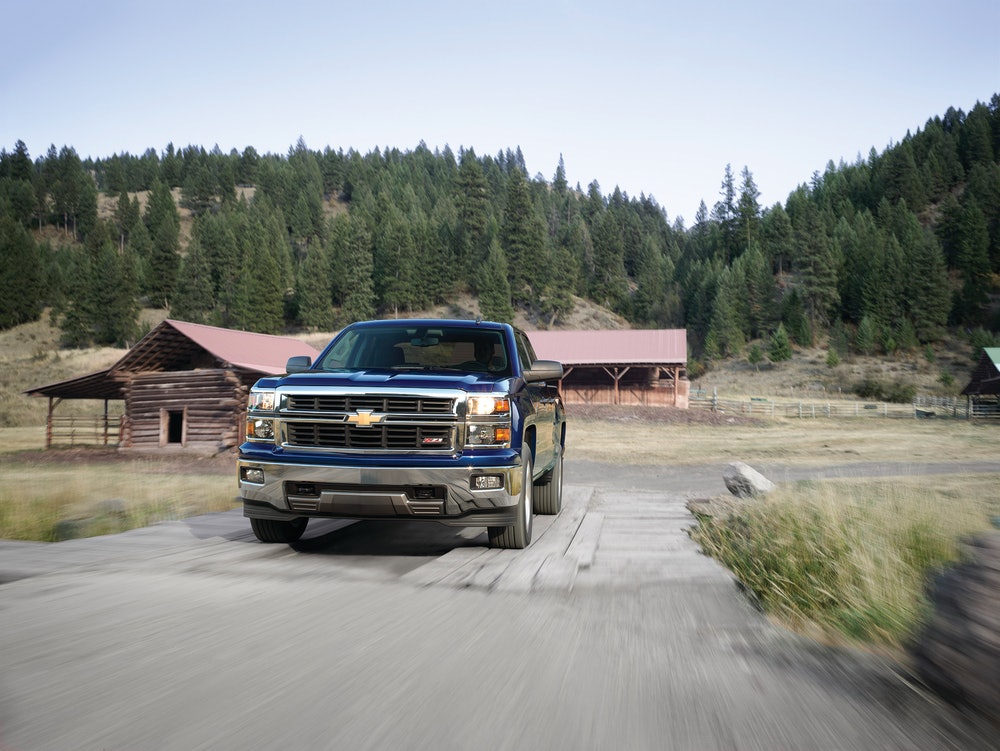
(364, 418)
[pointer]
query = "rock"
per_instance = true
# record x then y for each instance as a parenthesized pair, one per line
(958, 652)
(744, 481)
(69, 529)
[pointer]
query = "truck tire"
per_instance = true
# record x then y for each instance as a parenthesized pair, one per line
(548, 494)
(518, 535)
(272, 530)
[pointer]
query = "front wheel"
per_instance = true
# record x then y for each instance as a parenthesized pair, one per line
(273, 530)
(518, 535)
(548, 496)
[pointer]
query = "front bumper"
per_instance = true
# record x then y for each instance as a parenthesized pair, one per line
(441, 494)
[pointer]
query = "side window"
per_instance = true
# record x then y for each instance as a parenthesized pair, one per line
(524, 351)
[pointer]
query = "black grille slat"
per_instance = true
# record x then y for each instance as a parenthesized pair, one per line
(391, 437)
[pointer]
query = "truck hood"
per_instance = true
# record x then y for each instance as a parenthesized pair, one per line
(389, 379)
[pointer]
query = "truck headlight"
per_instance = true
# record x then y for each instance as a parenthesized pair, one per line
(488, 405)
(488, 421)
(260, 429)
(259, 424)
(261, 400)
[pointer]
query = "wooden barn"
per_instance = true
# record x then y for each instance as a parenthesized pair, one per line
(627, 366)
(184, 386)
(983, 390)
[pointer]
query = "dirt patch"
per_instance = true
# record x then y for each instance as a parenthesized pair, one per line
(657, 415)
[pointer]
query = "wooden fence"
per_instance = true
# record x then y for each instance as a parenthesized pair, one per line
(76, 430)
(920, 408)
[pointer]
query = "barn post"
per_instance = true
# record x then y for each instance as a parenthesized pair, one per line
(48, 425)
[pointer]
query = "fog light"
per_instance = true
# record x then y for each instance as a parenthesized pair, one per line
(487, 482)
(254, 475)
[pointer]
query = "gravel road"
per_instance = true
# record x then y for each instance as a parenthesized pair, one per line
(611, 631)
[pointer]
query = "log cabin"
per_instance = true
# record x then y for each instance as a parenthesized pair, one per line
(184, 386)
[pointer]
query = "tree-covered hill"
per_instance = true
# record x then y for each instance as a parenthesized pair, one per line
(876, 256)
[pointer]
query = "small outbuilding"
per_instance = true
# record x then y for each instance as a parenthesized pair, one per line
(983, 390)
(184, 386)
(646, 367)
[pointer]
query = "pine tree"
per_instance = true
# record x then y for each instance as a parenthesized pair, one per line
(359, 298)
(128, 216)
(927, 295)
(609, 285)
(108, 294)
(748, 211)
(494, 289)
(651, 292)
(163, 223)
(777, 239)
(216, 236)
(395, 263)
(759, 291)
(313, 289)
(558, 283)
(973, 262)
(866, 336)
(79, 307)
(725, 215)
(21, 277)
(195, 298)
(817, 266)
(473, 204)
(795, 320)
(522, 237)
(728, 326)
(779, 348)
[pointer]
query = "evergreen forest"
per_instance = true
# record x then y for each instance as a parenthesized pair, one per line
(890, 252)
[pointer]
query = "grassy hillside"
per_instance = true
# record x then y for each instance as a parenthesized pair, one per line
(943, 370)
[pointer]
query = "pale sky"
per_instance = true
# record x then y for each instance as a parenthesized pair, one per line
(652, 97)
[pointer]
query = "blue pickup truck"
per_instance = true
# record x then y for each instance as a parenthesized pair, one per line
(449, 421)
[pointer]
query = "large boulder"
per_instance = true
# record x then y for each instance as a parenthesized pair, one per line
(744, 481)
(958, 652)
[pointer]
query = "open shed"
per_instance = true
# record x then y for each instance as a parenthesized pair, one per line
(983, 390)
(629, 366)
(184, 385)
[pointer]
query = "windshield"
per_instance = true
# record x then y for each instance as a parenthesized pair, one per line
(420, 348)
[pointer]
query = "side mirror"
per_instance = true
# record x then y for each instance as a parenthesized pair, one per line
(298, 364)
(544, 370)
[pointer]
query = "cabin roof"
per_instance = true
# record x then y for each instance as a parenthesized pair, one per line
(177, 346)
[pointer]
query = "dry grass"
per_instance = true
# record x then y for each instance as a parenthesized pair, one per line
(51, 501)
(793, 442)
(849, 559)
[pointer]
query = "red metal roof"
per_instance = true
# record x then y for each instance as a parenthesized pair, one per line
(612, 347)
(263, 353)
(178, 345)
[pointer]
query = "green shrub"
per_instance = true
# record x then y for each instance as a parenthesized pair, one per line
(870, 387)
